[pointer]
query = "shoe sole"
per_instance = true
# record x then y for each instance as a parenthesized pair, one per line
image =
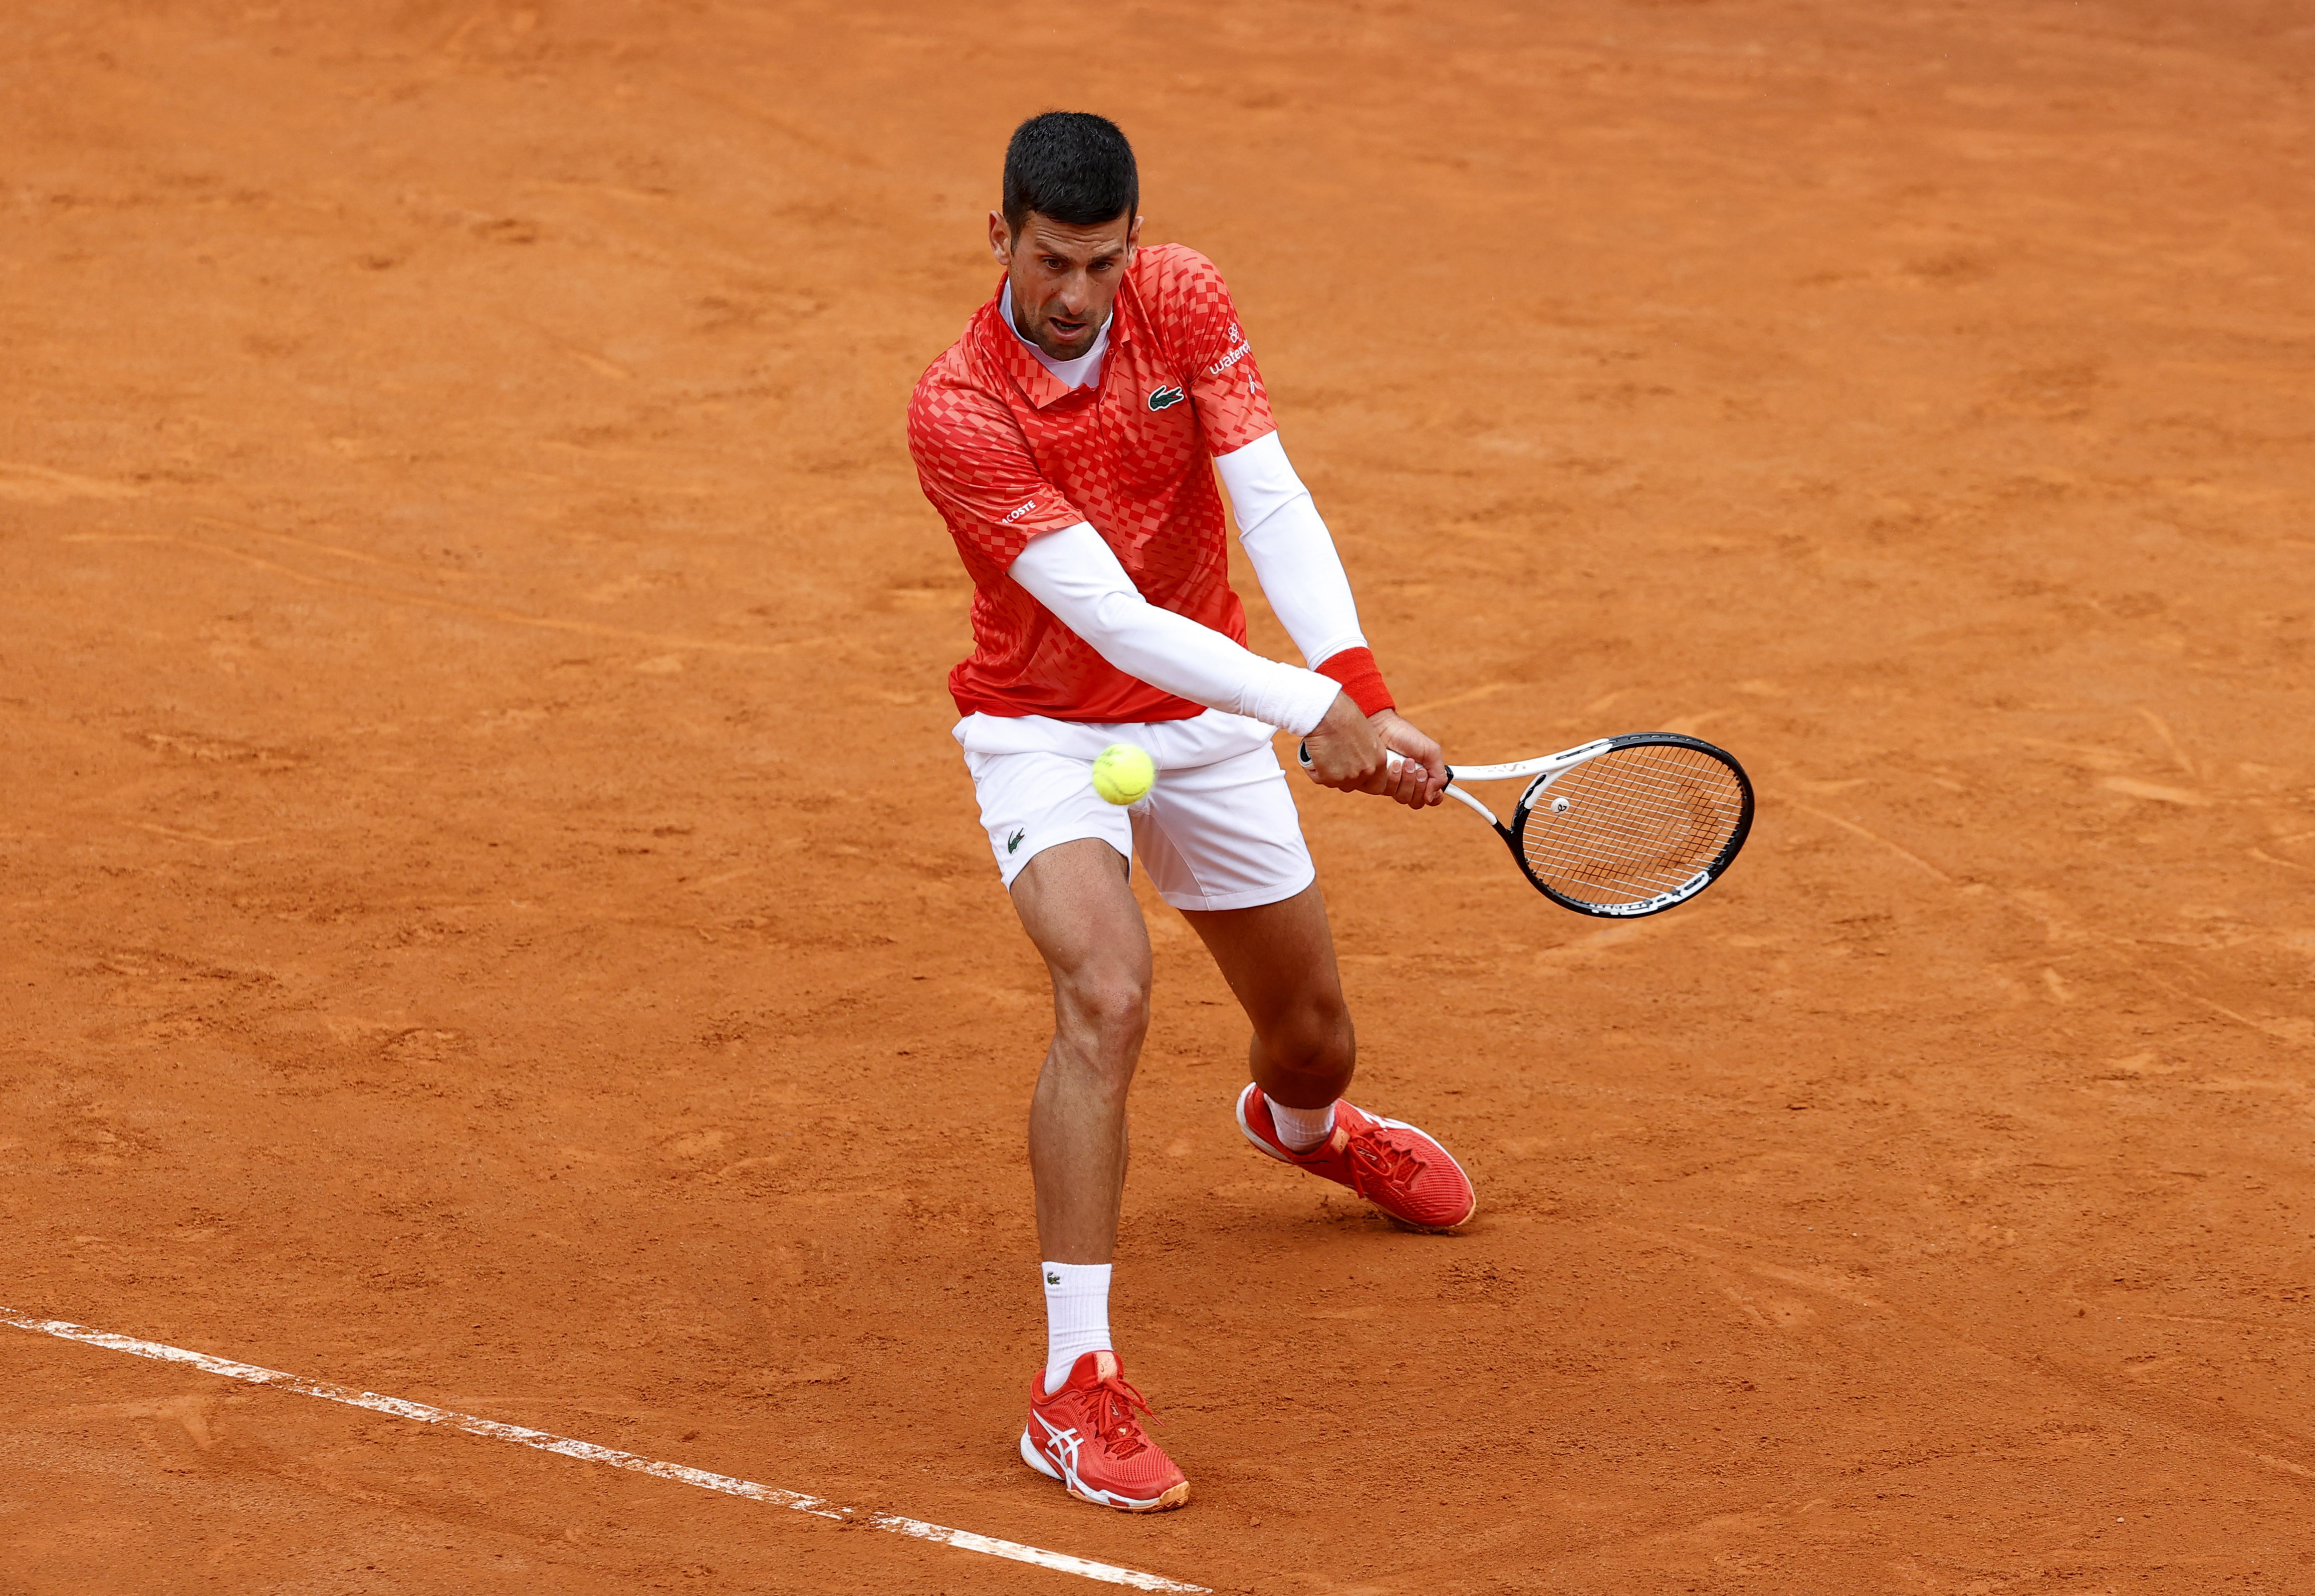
(1264, 1147)
(1172, 1497)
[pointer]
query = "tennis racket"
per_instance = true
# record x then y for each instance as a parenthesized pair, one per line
(1624, 826)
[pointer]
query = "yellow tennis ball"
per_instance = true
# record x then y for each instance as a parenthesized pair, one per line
(1122, 773)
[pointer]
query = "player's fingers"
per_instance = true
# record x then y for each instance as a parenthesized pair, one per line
(1404, 775)
(1428, 763)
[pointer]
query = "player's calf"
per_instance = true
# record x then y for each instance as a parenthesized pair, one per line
(1307, 1054)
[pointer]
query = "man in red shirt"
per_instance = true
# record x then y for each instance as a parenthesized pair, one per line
(1071, 439)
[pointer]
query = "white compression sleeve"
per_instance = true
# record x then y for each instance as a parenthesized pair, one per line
(1073, 574)
(1294, 553)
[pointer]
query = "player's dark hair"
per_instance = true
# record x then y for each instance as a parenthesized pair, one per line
(1072, 166)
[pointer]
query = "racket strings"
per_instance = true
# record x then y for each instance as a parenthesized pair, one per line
(1632, 824)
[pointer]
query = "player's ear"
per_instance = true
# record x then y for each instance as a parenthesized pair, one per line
(1000, 239)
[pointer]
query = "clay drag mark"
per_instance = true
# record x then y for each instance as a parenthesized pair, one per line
(453, 524)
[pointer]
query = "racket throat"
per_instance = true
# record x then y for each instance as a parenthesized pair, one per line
(1486, 814)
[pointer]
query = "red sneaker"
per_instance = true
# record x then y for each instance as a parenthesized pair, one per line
(1086, 1436)
(1393, 1166)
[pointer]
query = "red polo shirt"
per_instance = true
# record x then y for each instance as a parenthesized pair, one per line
(1004, 451)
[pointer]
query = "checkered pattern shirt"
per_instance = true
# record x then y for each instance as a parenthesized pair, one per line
(1005, 452)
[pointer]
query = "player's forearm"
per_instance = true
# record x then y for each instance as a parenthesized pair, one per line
(1074, 575)
(1292, 552)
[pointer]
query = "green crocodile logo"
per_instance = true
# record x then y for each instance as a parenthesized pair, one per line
(1165, 398)
(1012, 843)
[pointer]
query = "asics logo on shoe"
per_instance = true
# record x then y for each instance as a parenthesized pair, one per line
(1061, 1446)
(1011, 843)
(1165, 398)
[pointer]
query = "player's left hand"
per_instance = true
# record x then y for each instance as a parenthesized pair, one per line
(1421, 781)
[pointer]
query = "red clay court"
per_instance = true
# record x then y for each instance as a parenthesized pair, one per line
(494, 918)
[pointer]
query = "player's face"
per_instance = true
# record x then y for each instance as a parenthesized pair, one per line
(1064, 277)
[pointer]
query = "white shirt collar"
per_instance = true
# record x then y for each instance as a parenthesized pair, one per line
(1080, 373)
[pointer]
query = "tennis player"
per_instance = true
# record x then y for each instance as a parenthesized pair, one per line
(1071, 439)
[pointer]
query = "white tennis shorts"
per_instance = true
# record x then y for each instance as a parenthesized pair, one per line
(1217, 831)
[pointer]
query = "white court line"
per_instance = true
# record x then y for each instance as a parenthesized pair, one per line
(963, 1539)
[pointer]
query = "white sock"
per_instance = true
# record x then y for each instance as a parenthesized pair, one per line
(1301, 1129)
(1077, 1316)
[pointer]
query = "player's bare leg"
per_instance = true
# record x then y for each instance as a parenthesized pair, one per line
(1279, 959)
(1077, 903)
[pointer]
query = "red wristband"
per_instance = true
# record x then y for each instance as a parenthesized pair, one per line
(1360, 677)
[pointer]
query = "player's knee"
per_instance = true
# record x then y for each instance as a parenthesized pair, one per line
(1110, 1014)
